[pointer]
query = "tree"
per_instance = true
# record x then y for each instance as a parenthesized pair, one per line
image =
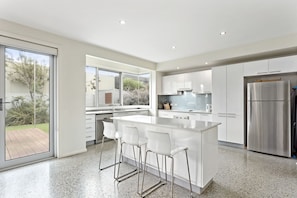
(23, 72)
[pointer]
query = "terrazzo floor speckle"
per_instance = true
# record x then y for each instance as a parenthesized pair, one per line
(241, 173)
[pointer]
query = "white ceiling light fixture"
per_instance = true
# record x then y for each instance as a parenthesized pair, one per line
(177, 67)
(223, 33)
(206, 63)
(173, 47)
(122, 22)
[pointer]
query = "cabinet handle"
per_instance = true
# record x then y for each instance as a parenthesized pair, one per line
(276, 71)
(262, 72)
(89, 127)
(222, 114)
(88, 136)
(231, 115)
(89, 119)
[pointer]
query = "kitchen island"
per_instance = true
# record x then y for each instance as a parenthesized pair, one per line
(201, 137)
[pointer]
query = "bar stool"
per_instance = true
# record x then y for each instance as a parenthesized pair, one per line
(159, 143)
(131, 137)
(110, 132)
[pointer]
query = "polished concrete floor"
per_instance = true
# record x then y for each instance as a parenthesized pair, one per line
(241, 174)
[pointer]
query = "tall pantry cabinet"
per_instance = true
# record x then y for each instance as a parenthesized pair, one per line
(227, 102)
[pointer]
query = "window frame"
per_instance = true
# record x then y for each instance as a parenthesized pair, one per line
(121, 84)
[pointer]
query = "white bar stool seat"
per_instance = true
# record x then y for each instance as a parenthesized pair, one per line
(131, 137)
(109, 132)
(160, 144)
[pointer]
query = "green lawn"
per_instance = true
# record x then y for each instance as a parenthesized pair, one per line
(44, 127)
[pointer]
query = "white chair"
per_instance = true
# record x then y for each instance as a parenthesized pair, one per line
(110, 132)
(130, 136)
(160, 144)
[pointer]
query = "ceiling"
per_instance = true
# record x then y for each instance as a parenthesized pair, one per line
(154, 26)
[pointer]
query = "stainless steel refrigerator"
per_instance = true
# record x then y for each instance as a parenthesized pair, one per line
(268, 117)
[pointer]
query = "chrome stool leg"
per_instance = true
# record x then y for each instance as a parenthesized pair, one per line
(115, 159)
(191, 191)
(129, 174)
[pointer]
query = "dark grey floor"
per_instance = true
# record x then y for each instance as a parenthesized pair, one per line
(241, 174)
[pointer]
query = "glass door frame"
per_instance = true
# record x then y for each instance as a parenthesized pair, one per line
(6, 164)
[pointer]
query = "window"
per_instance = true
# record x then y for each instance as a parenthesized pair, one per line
(136, 89)
(108, 88)
(103, 88)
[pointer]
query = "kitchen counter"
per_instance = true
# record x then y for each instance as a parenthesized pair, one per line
(104, 111)
(193, 125)
(185, 111)
(201, 138)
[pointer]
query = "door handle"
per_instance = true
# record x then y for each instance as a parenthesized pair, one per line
(2, 104)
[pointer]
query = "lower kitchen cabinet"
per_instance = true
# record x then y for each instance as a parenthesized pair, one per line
(90, 128)
(230, 129)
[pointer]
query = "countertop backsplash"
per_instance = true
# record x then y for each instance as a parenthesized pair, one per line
(187, 101)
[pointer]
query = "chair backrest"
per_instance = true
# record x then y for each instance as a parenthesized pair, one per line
(158, 142)
(109, 130)
(130, 135)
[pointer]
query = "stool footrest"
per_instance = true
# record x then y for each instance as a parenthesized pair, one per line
(127, 175)
(109, 166)
(152, 188)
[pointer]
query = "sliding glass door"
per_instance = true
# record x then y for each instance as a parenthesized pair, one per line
(26, 106)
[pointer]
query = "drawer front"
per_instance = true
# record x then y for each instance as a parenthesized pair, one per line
(90, 118)
(90, 127)
(90, 136)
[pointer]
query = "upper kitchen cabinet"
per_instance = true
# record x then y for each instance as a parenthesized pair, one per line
(283, 64)
(199, 82)
(271, 66)
(256, 68)
(171, 84)
(227, 102)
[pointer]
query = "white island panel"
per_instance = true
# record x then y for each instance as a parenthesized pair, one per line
(199, 136)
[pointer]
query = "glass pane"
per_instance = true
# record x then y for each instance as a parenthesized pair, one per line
(108, 88)
(136, 89)
(27, 103)
(144, 89)
(90, 86)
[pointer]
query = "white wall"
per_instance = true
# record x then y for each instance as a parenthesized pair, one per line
(70, 81)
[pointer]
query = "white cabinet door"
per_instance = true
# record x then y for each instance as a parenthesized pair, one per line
(283, 64)
(188, 80)
(235, 89)
(227, 101)
(202, 81)
(256, 68)
(219, 90)
(168, 85)
(222, 128)
(165, 114)
(235, 129)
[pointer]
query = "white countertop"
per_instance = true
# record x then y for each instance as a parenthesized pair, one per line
(186, 111)
(103, 111)
(192, 125)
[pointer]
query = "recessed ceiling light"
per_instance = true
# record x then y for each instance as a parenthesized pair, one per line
(173, 47)
(223, 33)
(206, 63)
(177, 67)
(122, 22)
